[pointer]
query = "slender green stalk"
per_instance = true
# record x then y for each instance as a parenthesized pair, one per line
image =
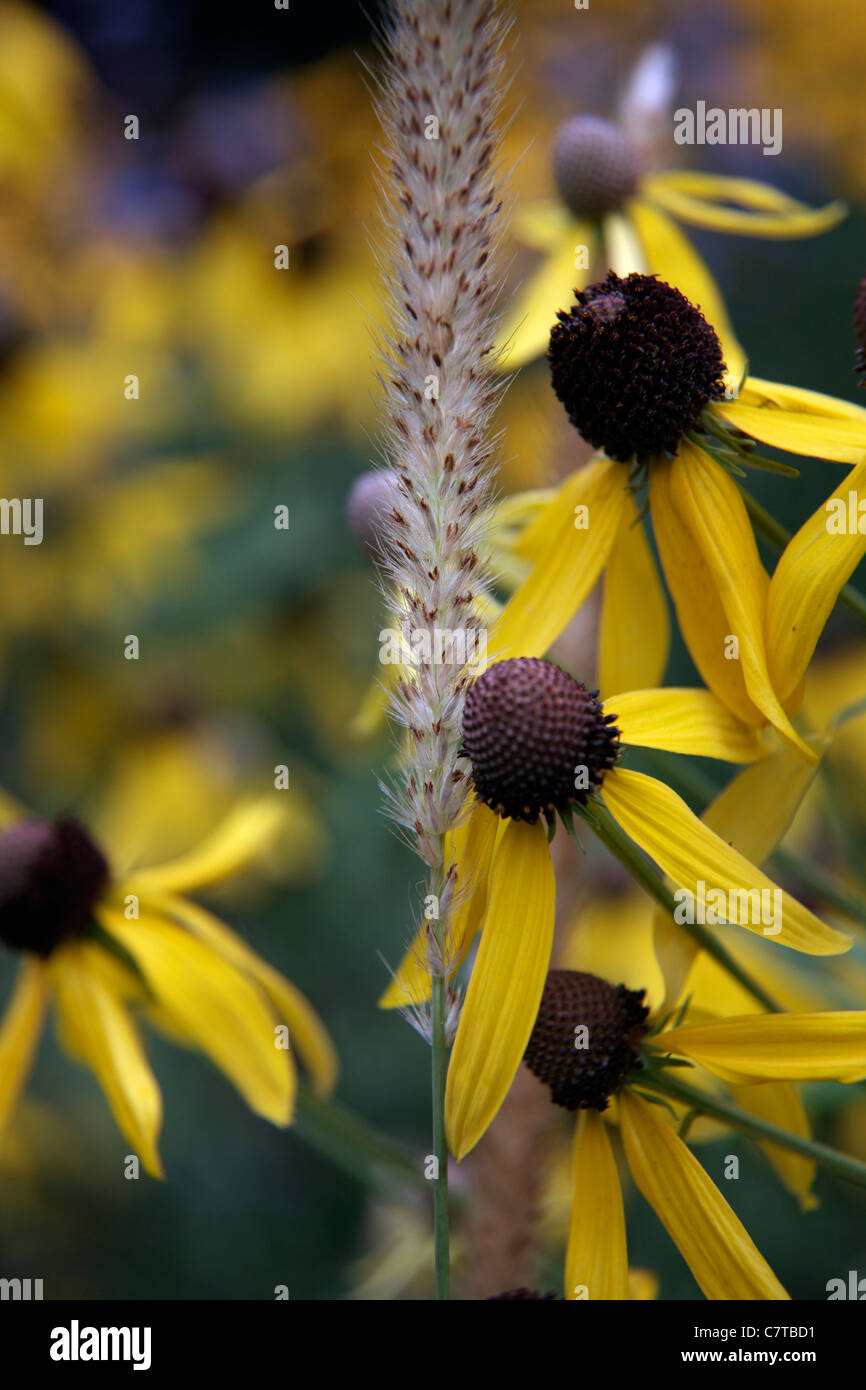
(602, 822)
(441, 1240)
(777, 536)
(841, 1164)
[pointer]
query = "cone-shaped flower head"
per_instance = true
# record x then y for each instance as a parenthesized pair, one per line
(538, 740)
(586, 1038)
(634, 363)
(595, 165)
(51, 874)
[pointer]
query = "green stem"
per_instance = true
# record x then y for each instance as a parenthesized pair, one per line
(441, 1239)
(353, 1144)
(777, 536)
(610, 833)
(840, 1164)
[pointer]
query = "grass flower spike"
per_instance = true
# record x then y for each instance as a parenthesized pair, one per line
(106, 948)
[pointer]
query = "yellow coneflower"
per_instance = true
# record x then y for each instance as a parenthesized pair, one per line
(540, 744)
(102, 947)
(610, 212)
(639, 371)
(593, 1043)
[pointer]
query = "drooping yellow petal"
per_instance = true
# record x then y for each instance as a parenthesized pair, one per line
(797, 432)
(506, 984)
(19, 1035)
(684, 721)
(776, 1047)
(635, 628)
(596, 1261)
(755, 809)
(760, 392)
(308, 1036)
(471, 850)
(712, 1240)
(671, 256)
(214, 1006)
(236, 841)
(582, 526)
(96, 1027)
(815, 565)
(703, 865)
(779, 1103)
(704, 201)
(525, 331)
(701, 617)
(711, 507)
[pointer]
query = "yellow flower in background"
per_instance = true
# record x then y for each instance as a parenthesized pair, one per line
(639, 372)
(103, 943)
(614, 211)
(540, 743)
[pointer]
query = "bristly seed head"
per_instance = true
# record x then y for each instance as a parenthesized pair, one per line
(586, 1038)
(596, 166)
(51, 874)
(634, 363)
(538, 740)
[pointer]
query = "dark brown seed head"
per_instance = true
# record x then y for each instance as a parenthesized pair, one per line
(51, 874)
(595, 165)
(538, 739)
(634, 363)
(586, 1038)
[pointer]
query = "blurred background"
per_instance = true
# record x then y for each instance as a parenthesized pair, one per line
(155, 257)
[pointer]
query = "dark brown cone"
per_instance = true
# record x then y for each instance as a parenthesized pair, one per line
(584, 1078)
(532, 732)
(521, 1296)
(51, 874)
(634, 363)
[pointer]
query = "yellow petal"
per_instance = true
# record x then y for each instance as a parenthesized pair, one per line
(764, 211)
(95, 1027)
(214, 1006)
(711, 507)
(19, 1035)
(471, 850)
(757, 391)
(797, 432)
(814, 567)
(756, 808)
(610, 936)
(684, 721)
(702, 620)
(506, 984)
(571, 558)
(691, 854)
(672, 257)
(779, 1103)
(596, 1261)
(635, 629)
(245, 833)
(525, 331)
(712, 1240)
(308, 1036)
(776, 1047)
